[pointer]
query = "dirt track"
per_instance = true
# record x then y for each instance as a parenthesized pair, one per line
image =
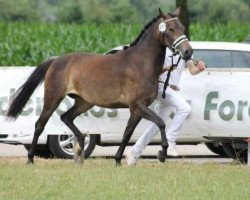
(188, 153)
(185, 150)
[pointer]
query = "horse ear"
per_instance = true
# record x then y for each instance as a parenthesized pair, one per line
(161, 14)
(177, 11)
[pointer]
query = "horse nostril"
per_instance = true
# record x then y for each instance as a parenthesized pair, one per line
(188, 54)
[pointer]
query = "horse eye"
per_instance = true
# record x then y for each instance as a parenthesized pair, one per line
(171, 29)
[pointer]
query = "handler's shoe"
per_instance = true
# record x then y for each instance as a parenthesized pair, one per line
(130, 157)
(172, 151)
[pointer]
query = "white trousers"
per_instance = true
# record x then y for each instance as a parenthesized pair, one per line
(172, 99)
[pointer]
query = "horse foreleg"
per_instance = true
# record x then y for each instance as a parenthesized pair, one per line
(79, 107)
(131, 125)
(148, 114)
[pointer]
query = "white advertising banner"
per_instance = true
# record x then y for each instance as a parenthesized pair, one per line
(219, 101)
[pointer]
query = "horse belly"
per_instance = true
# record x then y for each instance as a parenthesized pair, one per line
(108, 98)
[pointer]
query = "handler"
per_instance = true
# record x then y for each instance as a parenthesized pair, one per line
(172, 99)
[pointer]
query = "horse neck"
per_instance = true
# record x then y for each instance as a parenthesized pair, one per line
(151, 51)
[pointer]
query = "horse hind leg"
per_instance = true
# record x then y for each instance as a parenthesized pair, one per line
(48, 109)
(68, 117)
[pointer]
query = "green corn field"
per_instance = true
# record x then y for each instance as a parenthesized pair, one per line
(23, 44)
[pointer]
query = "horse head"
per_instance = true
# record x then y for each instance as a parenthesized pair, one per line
(171, 34)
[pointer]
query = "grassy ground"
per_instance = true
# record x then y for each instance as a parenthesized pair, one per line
(100, 179)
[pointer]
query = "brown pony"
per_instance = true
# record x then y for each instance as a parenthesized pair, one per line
(126, 79)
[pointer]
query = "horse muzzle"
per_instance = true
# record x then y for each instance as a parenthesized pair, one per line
(187, 54)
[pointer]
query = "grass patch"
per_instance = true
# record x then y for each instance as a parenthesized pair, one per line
(100, 179)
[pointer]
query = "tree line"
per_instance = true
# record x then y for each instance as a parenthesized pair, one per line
(120, 11)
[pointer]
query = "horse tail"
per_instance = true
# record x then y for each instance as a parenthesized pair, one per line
(23, 94)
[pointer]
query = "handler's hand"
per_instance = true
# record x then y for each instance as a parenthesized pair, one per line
(200, 65)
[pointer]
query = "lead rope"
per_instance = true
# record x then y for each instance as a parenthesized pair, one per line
(168, 74)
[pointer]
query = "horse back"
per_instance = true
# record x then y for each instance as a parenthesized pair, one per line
(104, 80)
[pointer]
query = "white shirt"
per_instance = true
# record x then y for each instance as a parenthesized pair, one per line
(175, 75)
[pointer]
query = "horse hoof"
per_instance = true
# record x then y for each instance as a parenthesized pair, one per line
(30, 162)
(118, 164)
(77, 149)
(79, 158)
(75, 159)
(161, 156)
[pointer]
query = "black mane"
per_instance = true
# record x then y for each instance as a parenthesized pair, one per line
(146, 27)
